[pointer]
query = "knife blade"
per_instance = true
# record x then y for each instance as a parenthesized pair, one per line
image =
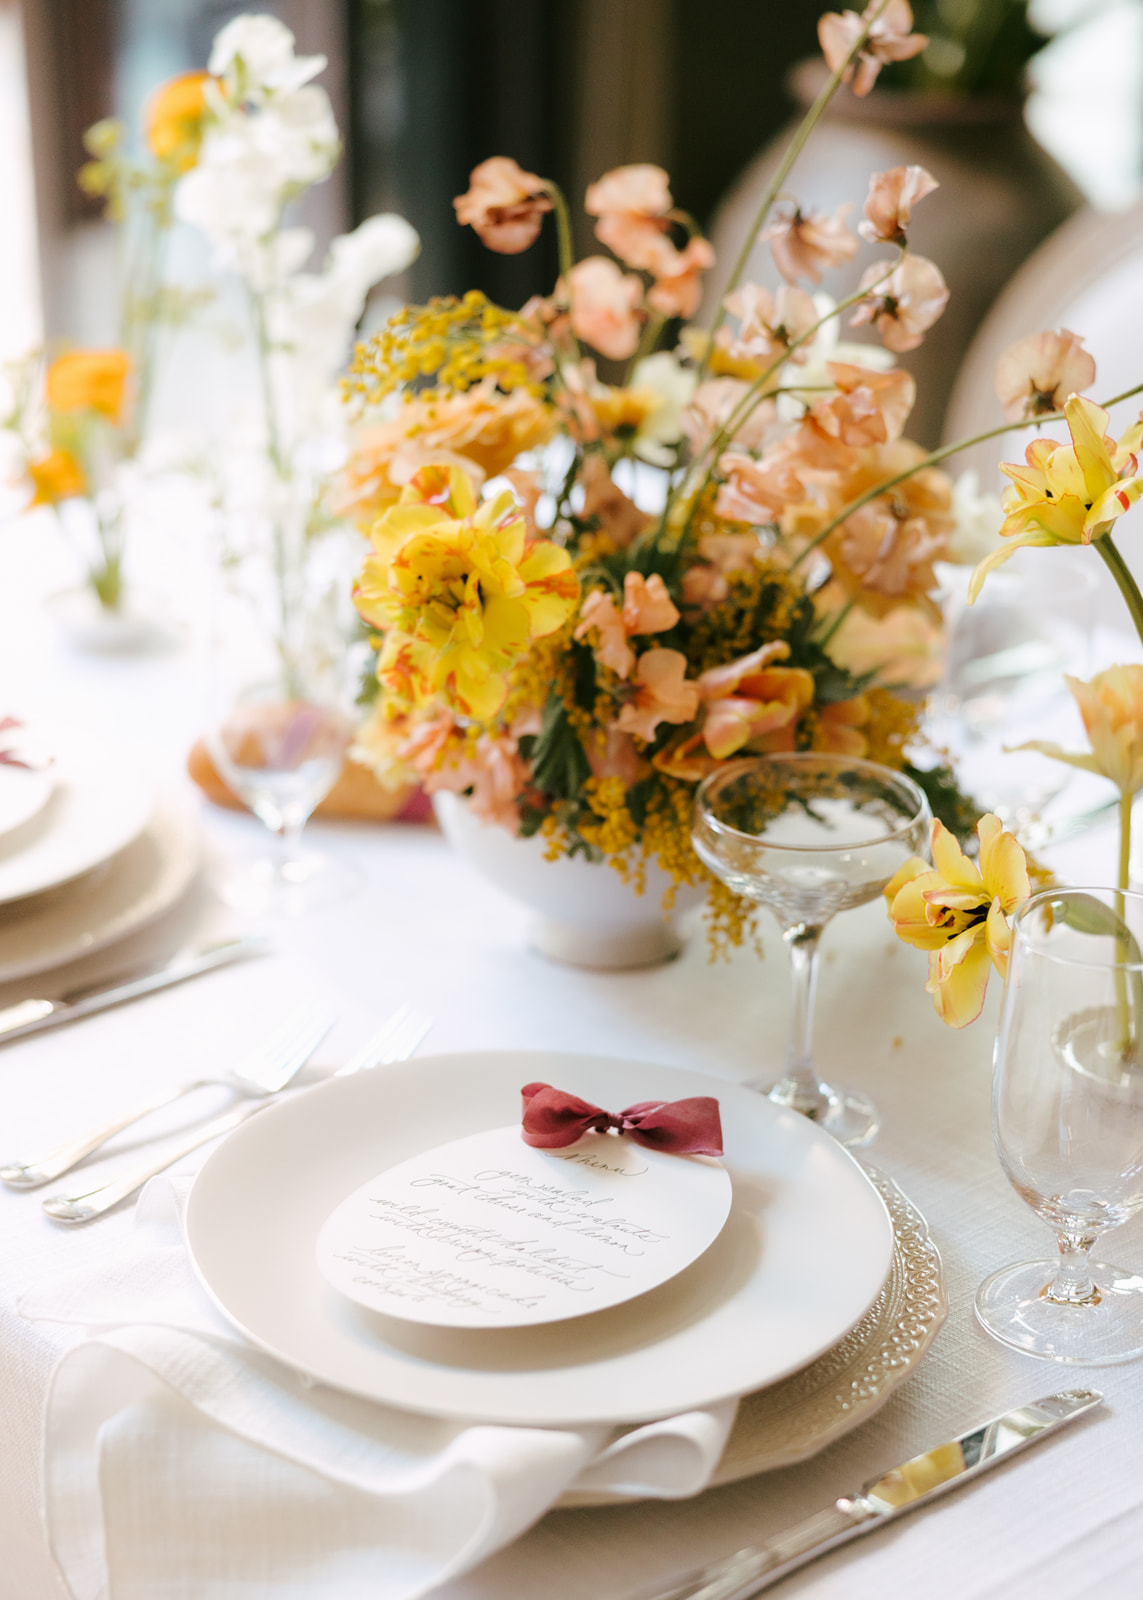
(31, 1016)
(902, 1489)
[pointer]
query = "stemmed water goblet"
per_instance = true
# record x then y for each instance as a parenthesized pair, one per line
(809, 835)
(1067, 1114)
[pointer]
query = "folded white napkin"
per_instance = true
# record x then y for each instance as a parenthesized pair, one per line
(180, 1461)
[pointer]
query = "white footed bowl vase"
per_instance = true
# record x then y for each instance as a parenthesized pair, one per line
(585, 915)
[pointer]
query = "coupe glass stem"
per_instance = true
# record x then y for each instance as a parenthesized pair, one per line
(1072, 1284)
(800, 1089)
(289, 849)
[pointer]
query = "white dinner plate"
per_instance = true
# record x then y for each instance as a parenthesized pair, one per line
(100, 801)
(115, 899)
(24, 791)
(803, 1256)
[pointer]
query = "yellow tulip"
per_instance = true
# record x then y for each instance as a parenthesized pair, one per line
(1068, 494)
(1111, 706)
(89, 380)
(957, 910)
(459, 594)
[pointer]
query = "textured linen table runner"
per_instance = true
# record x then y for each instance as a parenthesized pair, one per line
(181, 1461)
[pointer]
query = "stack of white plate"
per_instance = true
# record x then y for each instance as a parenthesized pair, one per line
(822, 1292)
(88, 853)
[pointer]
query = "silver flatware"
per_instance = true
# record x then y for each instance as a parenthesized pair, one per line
(32, 1016)
(396, 1040)
(270, 1067)
(902, 1489)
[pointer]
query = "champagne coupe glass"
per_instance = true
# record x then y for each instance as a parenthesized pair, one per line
(284, 673)
(1067, 1114)
(809, 835)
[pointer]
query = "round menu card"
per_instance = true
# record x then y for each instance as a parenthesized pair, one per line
(487, 1232)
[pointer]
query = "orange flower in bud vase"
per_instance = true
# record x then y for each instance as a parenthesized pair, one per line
(173, 119)
(56, 476)
(503, 204)
(890, 39)
(958, 911)
(1068, 494)
(89, 380)
(889, 204)
(904, 305)
(804, 243)
(1036, 375)
(1111, 706)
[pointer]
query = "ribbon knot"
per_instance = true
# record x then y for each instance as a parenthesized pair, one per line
(552, 1119)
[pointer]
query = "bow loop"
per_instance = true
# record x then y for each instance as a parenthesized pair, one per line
(552, 1119)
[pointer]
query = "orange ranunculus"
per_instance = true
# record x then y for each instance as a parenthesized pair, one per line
(503, 204)
(173, 119)
(89, 380)
(56, 476)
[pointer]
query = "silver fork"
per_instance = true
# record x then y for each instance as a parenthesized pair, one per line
(270, 1067)
(396, 1040)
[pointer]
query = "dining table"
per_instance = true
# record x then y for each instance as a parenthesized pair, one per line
(420, 927)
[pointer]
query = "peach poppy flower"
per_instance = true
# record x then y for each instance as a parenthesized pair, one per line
(756, 491)
(632, 204)
(767, 323)
(647, 607)
(889, 204)
(605, 306)
(503, 204)
(677, 289)
(868, 408)
(906, 303)
(600, 612)
(1037, 375)
(804, 243)
(664, 694)
(890, 39)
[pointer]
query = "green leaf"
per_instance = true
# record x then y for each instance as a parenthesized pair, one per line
(559, 765)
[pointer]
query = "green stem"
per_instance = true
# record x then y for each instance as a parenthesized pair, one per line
(933, 458)
(825, 638)
(1120, 571)
(793, 150)
(647, 342)
(563, 226)
(1124, 878)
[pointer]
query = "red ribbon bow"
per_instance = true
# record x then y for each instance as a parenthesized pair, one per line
(553, 1119)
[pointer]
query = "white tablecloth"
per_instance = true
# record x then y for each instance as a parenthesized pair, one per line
(1067, 1520)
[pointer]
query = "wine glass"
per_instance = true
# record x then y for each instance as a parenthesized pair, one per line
(283, 676)
(809, 835)
(1067, 1115)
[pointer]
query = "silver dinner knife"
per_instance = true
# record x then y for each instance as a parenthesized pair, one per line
(902, 1489)
(31, 1016)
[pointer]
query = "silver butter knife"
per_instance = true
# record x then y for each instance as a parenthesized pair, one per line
(31, 1016)
(902, 1489)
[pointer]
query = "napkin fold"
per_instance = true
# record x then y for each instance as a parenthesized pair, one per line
(179, 1460)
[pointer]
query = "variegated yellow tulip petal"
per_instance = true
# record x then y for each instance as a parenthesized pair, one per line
(1003, 865)
(958, 979)
(1087, 423)
(904, 874)
(951, 862)
(912, 914)
(1045, 747)
(998, 937)
(1005, 552)
(552, 587)
(1128, 445)
(1113, 503)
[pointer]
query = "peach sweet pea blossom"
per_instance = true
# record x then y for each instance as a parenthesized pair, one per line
(890, 39)
(677, 289)
(882, 560)
(757, 491)
(600, 612)
(714, 403)
(491, 772)
(615, 756)
(869, 407)
(905, 304)
(605, 501)
(804, 244)
(503, 204)
(1111, 706)
(605, 304)
(632, 205)
(663, 694)
(889, 204)
(957, 910)
(767, 323)
(839, 724)
(1036, 375)
(647, 607)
